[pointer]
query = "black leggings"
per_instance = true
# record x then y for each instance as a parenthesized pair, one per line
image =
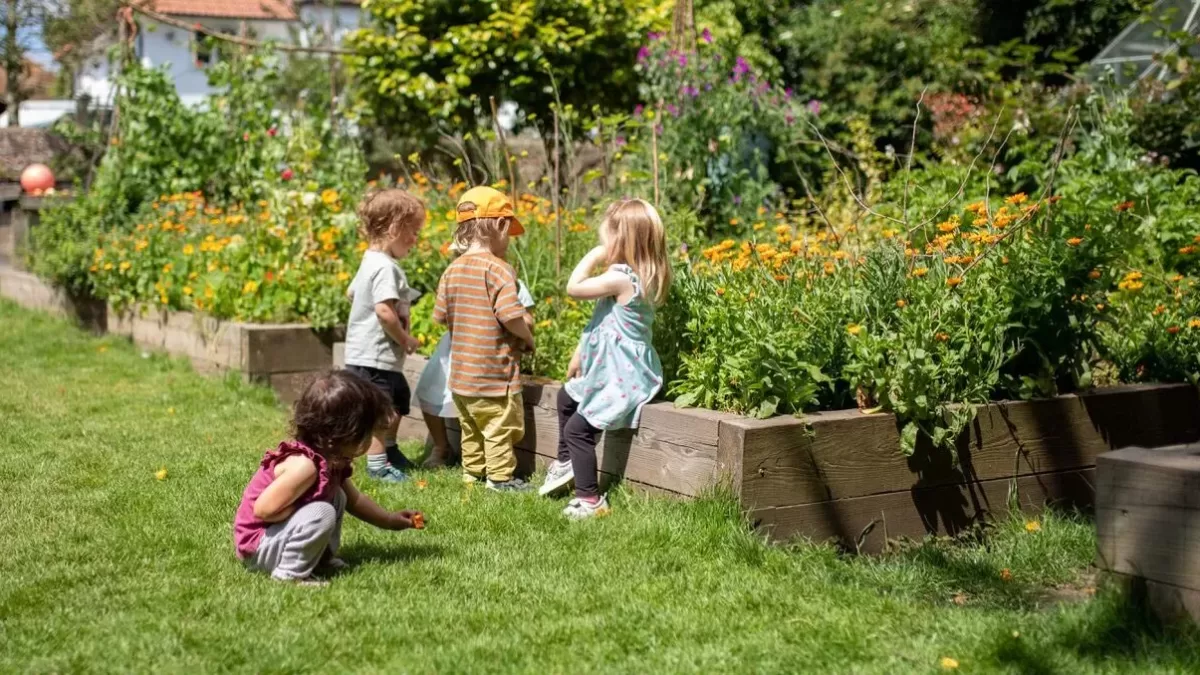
(577, 444)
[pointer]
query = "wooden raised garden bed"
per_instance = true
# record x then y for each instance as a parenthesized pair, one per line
(1148, 525)
(282, 356)
(840, 475)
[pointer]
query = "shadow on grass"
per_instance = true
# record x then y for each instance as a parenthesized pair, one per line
(1118, 628)
(357, 554)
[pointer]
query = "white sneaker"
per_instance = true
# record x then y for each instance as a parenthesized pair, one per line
(579, 509)
(558, 476)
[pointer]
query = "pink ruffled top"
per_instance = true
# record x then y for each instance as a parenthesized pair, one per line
(248, 529)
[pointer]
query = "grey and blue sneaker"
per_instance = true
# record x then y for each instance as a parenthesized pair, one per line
(388, 474)
(511, 485)
(581, 509)
(558, 476)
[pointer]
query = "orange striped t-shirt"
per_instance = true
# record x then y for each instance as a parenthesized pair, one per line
(477, 294)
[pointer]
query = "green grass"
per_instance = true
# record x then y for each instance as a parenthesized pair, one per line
(106, 568)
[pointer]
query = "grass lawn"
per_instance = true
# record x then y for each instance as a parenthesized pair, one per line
(106, 568)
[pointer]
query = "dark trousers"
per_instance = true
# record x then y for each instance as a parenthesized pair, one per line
(577, 444)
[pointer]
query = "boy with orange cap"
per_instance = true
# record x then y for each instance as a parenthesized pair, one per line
(477, 299)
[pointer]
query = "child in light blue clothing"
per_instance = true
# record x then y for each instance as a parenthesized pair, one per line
(615, 370)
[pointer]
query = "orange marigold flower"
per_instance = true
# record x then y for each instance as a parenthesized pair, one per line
(901, 303)
(781, 277)
(1173, 330)
(1123, 207)
(1074, 241)
(978, 208)
(720, 290)
(920, 272)
(953, 281)
(1159, 310)
(854, 329)
(1194, 323)
(1100, 308)
(948, 226)
(1094, 274)
(830, 268)
(942, 337)
(1055, 199)
(1016, 199)
(1187, 250)
(1177, 278)
(1005, 574)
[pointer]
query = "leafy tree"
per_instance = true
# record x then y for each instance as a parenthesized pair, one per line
(425, 66)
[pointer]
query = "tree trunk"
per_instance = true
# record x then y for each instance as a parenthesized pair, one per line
(12, 65)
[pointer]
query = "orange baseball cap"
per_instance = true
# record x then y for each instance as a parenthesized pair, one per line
(486, 202)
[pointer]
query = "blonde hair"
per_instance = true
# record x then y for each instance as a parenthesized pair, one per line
(636, 237)
(384, 213)
(478, 230)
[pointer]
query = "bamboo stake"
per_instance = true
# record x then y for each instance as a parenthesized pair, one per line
(603, 156)
(332, 67)
(512, 178)
(554, 197)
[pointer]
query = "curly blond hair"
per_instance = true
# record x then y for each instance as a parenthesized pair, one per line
(385, 213)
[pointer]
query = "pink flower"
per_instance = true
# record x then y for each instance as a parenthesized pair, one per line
(246, 136)
(814, 107)
(643, 54)
(706, 35)
(271, 132)
(287, 174)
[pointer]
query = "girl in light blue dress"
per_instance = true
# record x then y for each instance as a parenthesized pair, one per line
(615, 370)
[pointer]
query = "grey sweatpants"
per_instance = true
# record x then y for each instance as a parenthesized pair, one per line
(291, 549)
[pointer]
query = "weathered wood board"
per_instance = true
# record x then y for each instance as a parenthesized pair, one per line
(29, 291)
(1148, 521)
(866, 523)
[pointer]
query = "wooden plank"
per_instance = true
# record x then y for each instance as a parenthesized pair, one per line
(845, 454)
(943, 510)
(286, 348)
(1148, 514)
(29, 291)
(1170, 603)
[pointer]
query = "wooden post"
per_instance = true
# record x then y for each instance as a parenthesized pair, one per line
(512, 178)
(554, 201)
(654, 149)
(603, 156)
(332, 66)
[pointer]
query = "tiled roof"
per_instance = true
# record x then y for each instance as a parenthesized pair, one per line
(232, 9)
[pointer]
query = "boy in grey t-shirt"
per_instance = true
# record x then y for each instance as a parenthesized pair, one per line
(377, 333)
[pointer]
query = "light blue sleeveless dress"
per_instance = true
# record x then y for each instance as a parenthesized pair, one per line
(620, 370)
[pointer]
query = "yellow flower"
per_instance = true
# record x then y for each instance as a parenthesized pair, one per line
(759, 226)
(733, 221)
(99, 254)
(250, 287)
(978, 208)
(187, 290)
(1033, 526)
(1016, 199)
(854, 329)
(167, 268)
(541, 325)
(901, 303)
(947, 226)
(720, 290)
(362, 246)
(208, 292)
(163, 298)
(189, 249)
(141, 245)
(889, 233)
(1194, 323)
(161, 474)
(1074, 241)
(330, 197)
(920, 272)
(125, 265)
(343, 276)
(948, 663)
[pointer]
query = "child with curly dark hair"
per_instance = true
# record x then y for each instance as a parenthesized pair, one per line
(290, 519)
